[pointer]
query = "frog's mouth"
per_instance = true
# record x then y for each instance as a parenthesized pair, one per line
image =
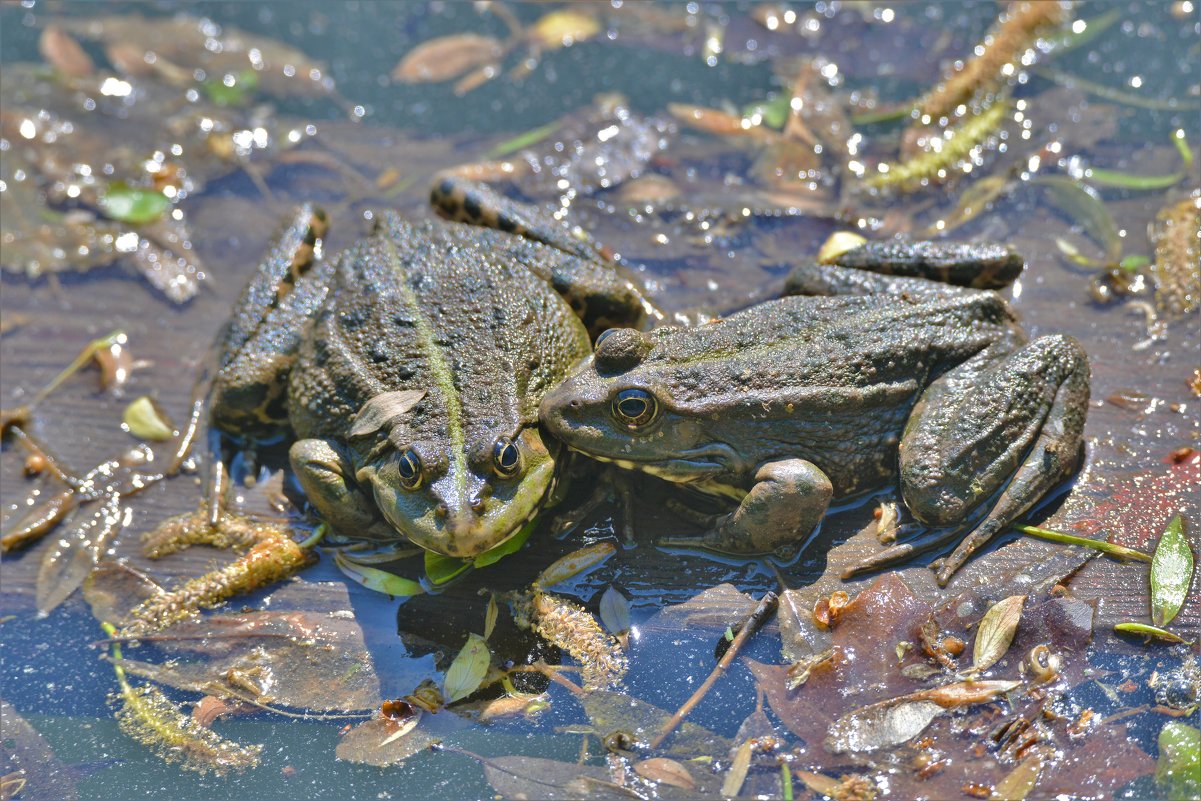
(683, 467)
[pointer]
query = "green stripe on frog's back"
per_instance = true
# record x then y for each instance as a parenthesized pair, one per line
(443, 377)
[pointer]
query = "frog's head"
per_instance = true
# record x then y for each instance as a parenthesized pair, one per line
(449, 491)
(618, 407)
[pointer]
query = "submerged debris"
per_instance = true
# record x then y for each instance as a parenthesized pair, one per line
(999, 56)
(568, 625)
(1177, 268)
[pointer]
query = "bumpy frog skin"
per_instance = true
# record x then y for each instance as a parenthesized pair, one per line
(410, 368)
(795, 402)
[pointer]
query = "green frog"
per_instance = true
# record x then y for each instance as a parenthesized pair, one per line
(855, 378)
(410, 368)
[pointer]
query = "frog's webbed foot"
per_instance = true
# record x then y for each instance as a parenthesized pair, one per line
(326, 476)
(609, 485)
(1011, 422)
(788, 500)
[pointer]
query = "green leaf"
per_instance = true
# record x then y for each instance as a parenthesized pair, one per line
(1171, 572)
(1186, 152)
(131, 204)
(1150, 631)
(236, 93)
(996, 631)
(1178, 770)
(1086, 210)
(773, 111)
(511, 545)
(1133, 263)
(1124, 180)
(523, 140)
(464, 675)
(490, 616)
(375, 579)
(440, 569)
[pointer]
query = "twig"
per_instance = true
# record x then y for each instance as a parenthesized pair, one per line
(766, 606)
(551, 673)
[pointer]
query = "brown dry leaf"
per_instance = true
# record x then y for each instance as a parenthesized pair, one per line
(996, 631)
(447, 57)
(66, 566)
(739, 766)
(548, 779)
(62, 52)
(1018, 783)
(716, 121)
(665, 771)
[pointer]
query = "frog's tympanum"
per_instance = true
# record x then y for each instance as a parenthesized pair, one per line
(798, 401)
(410, 368)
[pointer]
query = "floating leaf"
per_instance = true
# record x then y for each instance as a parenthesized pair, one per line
(996, 631)
(490, 616)
(974, 200)
(375, 579)
(1086, 210)
(64, 568)
(898, 720)
(511, 545)
(1150, 631)
(447, 57)
(524, 140)
(773, 113)
(230, 89)
(1125, 180)
(739, 766)
(64, 54)
(145, 420)
(384, 741)
(1018, 783)
(615, 611)
(131, 204)
(665, 771)
(440, 569)
(714, 120)
(1178, 770)
(575, 563)
(1171, 572)
(468, 669)
(550, 780)
(565, 27)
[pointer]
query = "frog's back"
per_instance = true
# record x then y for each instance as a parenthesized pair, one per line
(829, 349)
(437, 307)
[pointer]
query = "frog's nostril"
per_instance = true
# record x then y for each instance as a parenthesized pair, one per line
(478, 505)
(575, 403)
(440, 511)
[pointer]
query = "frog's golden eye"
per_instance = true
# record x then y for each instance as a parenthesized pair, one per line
(635, 407)
(409, 468)
(506, 459)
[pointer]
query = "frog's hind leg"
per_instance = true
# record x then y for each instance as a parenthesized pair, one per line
(1007, 420)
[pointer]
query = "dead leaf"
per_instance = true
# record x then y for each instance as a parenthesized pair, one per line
(665, 771)
(447, 57)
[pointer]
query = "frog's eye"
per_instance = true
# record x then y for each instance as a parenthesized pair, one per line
(409, 468)
(506, 459)
(635, 407)
(604, 335)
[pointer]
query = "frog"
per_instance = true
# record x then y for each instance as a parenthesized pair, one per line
(867, 371)
(409, 368)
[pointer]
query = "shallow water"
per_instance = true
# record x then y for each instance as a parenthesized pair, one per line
(51, 672)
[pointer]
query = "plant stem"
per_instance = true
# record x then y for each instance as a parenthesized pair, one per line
(1119, 551)
(766, 605)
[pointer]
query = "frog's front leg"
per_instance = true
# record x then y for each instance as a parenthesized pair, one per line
(1010, 420)
(787, 501)
(327, 477)
(257, 347)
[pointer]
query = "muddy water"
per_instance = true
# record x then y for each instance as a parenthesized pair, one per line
(1142, 407)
